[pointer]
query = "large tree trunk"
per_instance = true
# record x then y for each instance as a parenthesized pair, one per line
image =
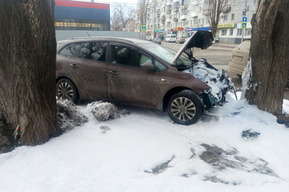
(270, 55)
(27, 69)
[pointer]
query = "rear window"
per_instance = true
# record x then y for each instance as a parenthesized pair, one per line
(70, 49)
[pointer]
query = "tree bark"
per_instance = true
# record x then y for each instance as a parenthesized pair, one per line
(27, 69)
(270, 56)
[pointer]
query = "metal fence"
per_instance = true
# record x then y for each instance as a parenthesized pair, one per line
(68, 34)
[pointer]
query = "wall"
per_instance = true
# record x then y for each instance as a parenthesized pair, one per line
(81, 15)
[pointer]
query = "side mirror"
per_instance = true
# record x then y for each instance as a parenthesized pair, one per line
(148, 66)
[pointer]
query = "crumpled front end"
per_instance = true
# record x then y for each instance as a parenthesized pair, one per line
(219, 81)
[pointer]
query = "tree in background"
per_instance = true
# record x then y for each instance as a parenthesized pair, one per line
(213, 9)
(27, 70)
(269, 53)
(121, 16)
(142, 7)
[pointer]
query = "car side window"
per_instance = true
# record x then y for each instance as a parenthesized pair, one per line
(160, 66)
(71, 49)
(145, 59)
(125, 56)
(93, 50)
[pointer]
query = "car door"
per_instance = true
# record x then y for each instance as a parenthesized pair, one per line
(128, 83)
(63, 56)
(89, 70)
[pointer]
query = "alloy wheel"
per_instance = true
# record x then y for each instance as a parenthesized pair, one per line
(183, 109)
(65, 91)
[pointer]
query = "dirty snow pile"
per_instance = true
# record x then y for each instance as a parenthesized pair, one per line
(144, 151)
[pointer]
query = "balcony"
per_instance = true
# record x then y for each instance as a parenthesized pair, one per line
(226, 9)
(206, 12)
(184, 7)
(194, 14)
(183, 17)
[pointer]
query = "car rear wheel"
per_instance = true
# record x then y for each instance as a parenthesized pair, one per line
(65, 89)
(185, 107)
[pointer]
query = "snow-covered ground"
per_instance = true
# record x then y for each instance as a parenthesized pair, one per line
(145, 152)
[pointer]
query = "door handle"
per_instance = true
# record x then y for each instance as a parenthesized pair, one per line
(113, 72)
(73, 65)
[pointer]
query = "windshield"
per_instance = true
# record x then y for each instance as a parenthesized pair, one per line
(166, 54)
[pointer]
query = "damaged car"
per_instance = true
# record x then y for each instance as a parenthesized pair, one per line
(141, 73)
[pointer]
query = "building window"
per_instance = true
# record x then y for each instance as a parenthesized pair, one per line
(248, 31)
(232, 17)
(239, 32)
(224, 32)
(231, 32)
(225, 17)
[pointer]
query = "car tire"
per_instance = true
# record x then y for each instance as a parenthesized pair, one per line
(65, 89)
(185, 107)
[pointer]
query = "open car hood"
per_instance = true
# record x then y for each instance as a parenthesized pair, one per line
(200, 39)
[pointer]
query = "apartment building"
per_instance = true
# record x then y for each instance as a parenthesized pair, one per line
(183, 16)
(229, 28)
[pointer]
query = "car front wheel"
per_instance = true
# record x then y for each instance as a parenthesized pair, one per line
(185, 107)
(65, 89)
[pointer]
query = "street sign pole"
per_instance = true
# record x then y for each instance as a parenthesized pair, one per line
(243, 26)
(242, 39)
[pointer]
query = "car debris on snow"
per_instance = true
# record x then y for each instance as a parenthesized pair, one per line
(102, 111)
(250, 134)
(68, 115)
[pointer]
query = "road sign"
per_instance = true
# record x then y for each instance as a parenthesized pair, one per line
(244, 25)
(143, 28)
(244, 19)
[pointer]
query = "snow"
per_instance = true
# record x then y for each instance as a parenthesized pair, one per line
(122, 156)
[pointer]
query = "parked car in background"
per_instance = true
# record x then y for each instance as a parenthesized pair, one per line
(141, 73)
(181, 40)
(157, 40)
(171, 38)
(239, 58)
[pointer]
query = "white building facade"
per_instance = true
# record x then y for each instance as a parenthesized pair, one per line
(229, 28)
(183, 16)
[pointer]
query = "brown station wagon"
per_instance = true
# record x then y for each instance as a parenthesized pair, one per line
(141, 73)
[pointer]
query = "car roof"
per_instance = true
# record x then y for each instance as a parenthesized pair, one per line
(103, 38)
